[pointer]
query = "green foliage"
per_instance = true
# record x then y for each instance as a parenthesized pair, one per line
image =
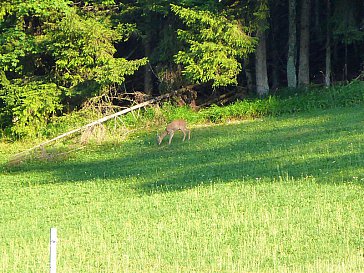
(30, 104)
(214, 44)
(61, 124)
(261, 15)
(49, 46)
(345, 22)
(5, 8)
(313, 99)
(111, 71)
(22, 30)
(78, 47)
(83, 49)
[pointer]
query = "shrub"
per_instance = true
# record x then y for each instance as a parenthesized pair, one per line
(29, 105)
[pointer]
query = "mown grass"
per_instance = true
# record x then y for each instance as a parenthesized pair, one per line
(280, 194)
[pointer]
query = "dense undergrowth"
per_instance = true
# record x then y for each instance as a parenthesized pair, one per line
(286, 102)
(283, 102)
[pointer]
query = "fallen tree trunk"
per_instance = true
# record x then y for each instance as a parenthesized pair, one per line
(101, 120)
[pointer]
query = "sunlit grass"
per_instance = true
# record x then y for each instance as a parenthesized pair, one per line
(274, 195)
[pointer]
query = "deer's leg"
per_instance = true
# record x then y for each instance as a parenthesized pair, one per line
(189, 134)
(170, 137)
(184, 135)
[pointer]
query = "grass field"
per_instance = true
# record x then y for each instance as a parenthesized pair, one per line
(273, 195)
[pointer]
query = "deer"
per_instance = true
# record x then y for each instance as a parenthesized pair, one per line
(178, 124)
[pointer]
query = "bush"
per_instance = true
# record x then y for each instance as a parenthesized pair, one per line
(29, 105)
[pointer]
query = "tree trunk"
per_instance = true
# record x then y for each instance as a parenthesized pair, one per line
(304, 66)
(261, 65)
(274, 45)
(148, 85)
(248, 75)
(292, 45)
(317, 16)
(275, 69)
(346, 63)
(328, 47)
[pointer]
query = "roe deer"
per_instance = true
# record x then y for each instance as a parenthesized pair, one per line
(171, 128)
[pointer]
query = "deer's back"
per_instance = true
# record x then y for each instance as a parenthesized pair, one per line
(175, 125)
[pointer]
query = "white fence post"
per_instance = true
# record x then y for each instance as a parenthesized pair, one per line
(53, 251)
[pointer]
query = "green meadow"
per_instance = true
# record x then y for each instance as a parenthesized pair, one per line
(276, 194)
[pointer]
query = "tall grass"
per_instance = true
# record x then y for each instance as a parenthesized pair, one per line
(289, 101)
(279, 194)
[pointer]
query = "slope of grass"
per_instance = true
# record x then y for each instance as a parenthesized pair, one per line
(274, 195)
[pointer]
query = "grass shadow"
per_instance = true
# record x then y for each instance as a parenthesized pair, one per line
(327, 147)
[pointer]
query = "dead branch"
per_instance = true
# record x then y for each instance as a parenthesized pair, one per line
(97, 132)
(99, 121)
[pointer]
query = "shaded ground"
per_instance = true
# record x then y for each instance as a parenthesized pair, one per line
(327, 146)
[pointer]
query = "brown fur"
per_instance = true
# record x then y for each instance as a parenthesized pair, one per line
(171, 128)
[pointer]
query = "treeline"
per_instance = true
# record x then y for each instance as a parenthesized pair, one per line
(59, 55)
